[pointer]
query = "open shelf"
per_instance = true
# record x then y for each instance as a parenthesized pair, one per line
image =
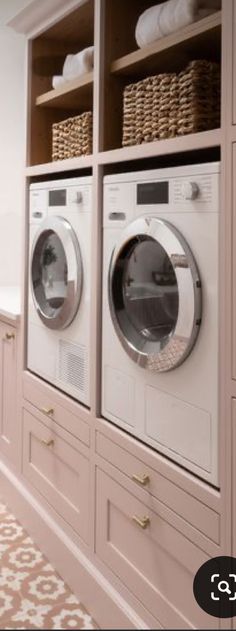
(198, 39)
(68, 36)
(75, 94)
(83, 162)
(125, 64)
(190, 142)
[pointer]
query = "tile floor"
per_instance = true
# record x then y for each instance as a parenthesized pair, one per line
(32, 594)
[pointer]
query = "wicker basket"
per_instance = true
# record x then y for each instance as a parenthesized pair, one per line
(168, 105)
(72, 137)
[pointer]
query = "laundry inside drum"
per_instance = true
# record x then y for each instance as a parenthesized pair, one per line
(150, 290)
(50, 273)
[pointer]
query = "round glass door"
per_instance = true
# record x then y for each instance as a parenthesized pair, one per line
(56, 273)
(154, 294)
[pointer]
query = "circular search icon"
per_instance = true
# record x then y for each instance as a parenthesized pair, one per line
(214, 587)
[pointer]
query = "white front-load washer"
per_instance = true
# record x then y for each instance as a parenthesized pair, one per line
(160, 311)
(59, 284)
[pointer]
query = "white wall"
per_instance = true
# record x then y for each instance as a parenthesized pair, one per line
(12, 137)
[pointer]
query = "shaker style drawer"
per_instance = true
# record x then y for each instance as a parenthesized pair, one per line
(45, 401)
(57, 465)
(195, 513)
(149, 556)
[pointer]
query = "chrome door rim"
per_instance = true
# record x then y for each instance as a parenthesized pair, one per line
(180, 344)
(62, 228)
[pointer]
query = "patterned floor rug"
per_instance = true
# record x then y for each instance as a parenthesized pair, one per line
(32, 594)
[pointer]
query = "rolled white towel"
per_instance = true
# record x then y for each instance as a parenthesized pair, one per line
(57, 81)
(77, 65)
(164, 19)
(170, 16)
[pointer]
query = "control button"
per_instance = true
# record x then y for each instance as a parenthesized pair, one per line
(78, 197)
(190, 190)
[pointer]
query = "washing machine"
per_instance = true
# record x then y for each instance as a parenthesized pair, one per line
(160, 311)
(59, 284)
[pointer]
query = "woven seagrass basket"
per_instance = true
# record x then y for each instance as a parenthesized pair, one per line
(72, 137)
(171, 104)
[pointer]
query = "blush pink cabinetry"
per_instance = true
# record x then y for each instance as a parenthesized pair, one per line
(57, 407)
(150, 555)
(57, 465)
(9, 417)
(147, 525)
(193, 517)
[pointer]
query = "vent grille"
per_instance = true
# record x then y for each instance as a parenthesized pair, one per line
(73, 365)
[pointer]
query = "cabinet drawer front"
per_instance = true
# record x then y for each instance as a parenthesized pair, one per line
(58, 469)
(153, 559)
(8, 394)
(191, 510)
(39, 396)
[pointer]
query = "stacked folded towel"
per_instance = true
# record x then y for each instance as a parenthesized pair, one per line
(75, 66)
(170, 16)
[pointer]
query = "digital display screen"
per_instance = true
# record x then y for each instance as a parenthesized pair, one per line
(153, 193)
(57, 197)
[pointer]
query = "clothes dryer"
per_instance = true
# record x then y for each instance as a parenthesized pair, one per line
(160, 311)
(59, 284)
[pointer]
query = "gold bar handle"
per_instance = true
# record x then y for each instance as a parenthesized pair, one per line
(10, 336)
(142, 522)
(141, 479)
(48, 443)
(47, 411)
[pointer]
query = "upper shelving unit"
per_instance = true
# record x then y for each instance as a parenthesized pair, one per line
(126, 64)
(75, 94)
(122, 63)
(70, 35)
(200, 38)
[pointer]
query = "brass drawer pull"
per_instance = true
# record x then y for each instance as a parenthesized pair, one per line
(48, 443)
(9, 336)
(142, 522)
(141, 479)
(47, 411)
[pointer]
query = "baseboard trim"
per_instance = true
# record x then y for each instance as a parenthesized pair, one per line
(104, 603)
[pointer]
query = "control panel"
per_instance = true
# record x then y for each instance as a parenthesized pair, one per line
(38, 205)
(199, 189)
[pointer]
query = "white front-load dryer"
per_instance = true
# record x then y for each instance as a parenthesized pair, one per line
(160, 311)
(59, 284)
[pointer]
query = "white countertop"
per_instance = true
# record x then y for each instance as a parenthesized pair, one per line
(10, 302)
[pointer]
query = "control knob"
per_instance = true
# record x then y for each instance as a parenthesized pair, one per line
(190, 190)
